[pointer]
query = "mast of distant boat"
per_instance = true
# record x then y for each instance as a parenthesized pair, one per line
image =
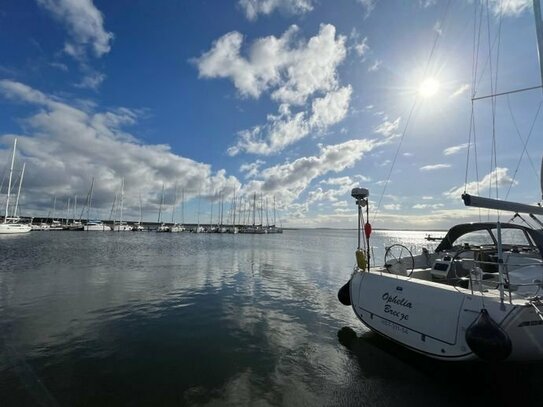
(19, 191)
(9, 182)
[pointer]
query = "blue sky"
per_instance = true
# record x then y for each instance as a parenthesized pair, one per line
(299, 100)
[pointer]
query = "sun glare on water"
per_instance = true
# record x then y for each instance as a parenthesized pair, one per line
(429, 87)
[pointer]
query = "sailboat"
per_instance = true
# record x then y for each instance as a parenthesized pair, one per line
(476, 297)
(138, 227)
(12, 225)
(121, 226)
(162, 226)
(93, 225)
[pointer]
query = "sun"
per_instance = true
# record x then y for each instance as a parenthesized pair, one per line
(429, 87)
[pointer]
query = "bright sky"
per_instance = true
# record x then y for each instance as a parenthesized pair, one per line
(300, 100)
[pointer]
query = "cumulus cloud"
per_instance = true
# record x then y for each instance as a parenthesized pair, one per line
(388, 128)
(253, 8)
(499, 176)
(292, 70)
(455, 149)
(343, 186)
(251, 170)
(65, 146)
(286, 128)
(85, 25)
(289, 180)
(434, 167)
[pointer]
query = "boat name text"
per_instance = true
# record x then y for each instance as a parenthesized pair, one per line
(389, 309)
(397, 300)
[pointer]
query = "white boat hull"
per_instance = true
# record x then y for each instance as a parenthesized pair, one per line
(432, 318)
(14, 228)
(97, 228)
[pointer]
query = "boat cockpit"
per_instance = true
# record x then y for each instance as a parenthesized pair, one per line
(468, 257)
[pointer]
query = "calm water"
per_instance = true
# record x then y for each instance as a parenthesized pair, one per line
(183, 319)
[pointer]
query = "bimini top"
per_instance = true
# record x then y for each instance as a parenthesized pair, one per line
(458, 231)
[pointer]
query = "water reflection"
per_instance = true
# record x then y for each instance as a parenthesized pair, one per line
(160, 319)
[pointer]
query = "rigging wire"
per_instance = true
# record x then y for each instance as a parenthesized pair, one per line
(477, 29)
(525, 144)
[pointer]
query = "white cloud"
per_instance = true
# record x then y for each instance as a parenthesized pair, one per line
(344, 186)
(392, 207)
(64, 147)
(375, 66)
(455, 149)
(286, 128)
(252, 169)
(427, 198)
(293, 73)
(361, 47)
(461, 90)
(289, 180)
(280, 131)
(499, 176)
(92, 80)
(330, 109)
(85, 25)
(291, 70)
(428, 206)
(434, 167)
(388, 128)
(253, 8)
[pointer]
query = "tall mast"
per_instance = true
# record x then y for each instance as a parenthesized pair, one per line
(141, 210)
(67, 211)
(267, 218)
(274, 211)
(9, 182)
(19, 191)
(254, 209)
(234, 209)
(261, 210)
(90, 199)
(122, 197)
(539, 31)
(161, 202)
(54, 206)
(174, 200)
(198, 214)
(183, 206)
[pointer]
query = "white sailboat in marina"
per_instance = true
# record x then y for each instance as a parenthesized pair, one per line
(478, 296)
(121, 226)
(93, 225)
(12, 225)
